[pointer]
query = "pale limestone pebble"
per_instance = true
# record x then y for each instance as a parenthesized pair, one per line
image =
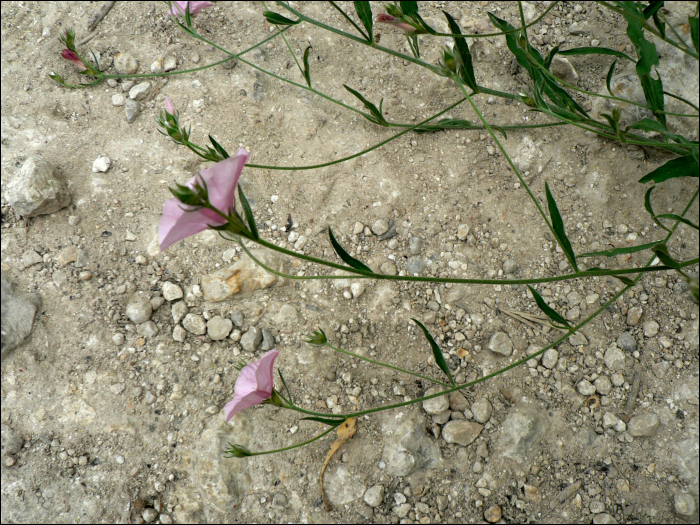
(550, 358)
(125, 64)
(493, 514)
(72, 254)
(626, 342)
(585, 388)
(463, 232)
(132, 109)
(139, 308)
(148, 329)
(357, 289)
(251, 340)
(603, 385)
(614, 359)
(563, 70)
(219, 328)
(171, 291)
(179, 311)
(195, 324)
(140, 91)
(30, 258)
(500, 343)
(651, 328)
(342, 488)
(481, 409)
(461, 432)
(243, 278)
(36, 189)
(634, 314)
(118, 99)
(436, 405)
(644, 425)
(389, 268)
(684, 504)
(179, 334)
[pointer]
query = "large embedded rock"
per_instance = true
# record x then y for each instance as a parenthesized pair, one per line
(243, 278)
(37, 190)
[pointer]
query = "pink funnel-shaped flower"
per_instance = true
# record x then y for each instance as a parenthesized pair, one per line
(71, 56)
(169, 106)
(179, 8)
(254, 384)
(383, 18)
(221, 180)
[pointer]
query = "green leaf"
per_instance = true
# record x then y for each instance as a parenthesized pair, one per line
(558, 226)
(376, 113)
(345, 256)
(248, 214)
(364, 13)
(647, 206)
(549, 312)
(465, 67)
(681, 167)
(624, 280)
(218, 148)
(619, 251)
(325, 420)
(307, 71)
(646, 124)
(659, 25)
(318, 338)
(437, 353)
(652, 8)
(277, 19)
(693, 23)
(675, 217)
(550, 57)
(409, 8)
(595, 51)
(608, 78)
(661, 251)
(654, 94)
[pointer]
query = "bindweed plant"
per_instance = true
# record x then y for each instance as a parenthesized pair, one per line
(209, 200)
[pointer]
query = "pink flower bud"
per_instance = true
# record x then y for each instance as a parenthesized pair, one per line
(254, 384)
(71, 56)
(383, 18)
(221, 180)
(179, 8)
(169, 106)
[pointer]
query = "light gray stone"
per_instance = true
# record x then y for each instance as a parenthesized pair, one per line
(521, 433)
(172, 292)
(250, 341)
(268, 340)
(195, 324)
(179, 311)
(218, 328)
(357, 289)
(634, 314)
(179, 334)
(287, 315)
(139, 308)
(415, 245)
(374, 496)
(510, 266)
(37, 190)
(500, 343)
(18, 314)
(30, 258)
(644, 425)
(148, 329)
(125, 64)
(651, 328)
(563, 70)
(627, 342)
(550, 358)
(380, 227)
(461, 432)
(603, 385)
(140, 91)
(436, 405)
(132, 110)
(415, 265)
(101, 164)
(614, 358)
(585, 388)
(463, 232)
(482, 410)
(410, 449)
(684, 504)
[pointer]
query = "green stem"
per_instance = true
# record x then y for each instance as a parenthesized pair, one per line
(359, 274)
(350, 20)
(290, 447)
(380, 363)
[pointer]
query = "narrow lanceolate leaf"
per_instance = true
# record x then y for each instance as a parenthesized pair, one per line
(307, 71)
(465, 68)
(650, 210)
(608, 78)
(681, 167)
(595, 51)
(675, 217)
(278, 20)
(409, 8)
(624, 280)
(619, 251)
(289, 394)
(437, 353)
(325, 420)
(558, 225)
(693, 23)
(345, 256)
(549, 312)
(661, 251)
(364, 13)
(248, 214)
(218, 148)
(377, 116)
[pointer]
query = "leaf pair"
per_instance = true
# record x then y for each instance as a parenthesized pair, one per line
(463, 58)
(558, 227)
(376, 116)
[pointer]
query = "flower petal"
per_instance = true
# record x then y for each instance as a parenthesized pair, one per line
(222, 180)
(264, 375)
(239, 403)
(178, 223)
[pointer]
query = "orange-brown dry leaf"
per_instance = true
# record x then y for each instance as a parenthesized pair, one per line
(346, 430)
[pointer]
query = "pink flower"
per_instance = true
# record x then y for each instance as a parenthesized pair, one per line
(179, 8)
(70, 55)
(221, 180)
(169, 106)
(254, 384)
(383, 18)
